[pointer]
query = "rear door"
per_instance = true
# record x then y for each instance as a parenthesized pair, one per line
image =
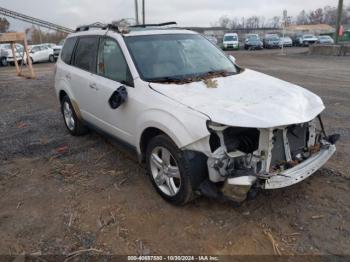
(63, 73)
(82, 76)
(40, 54)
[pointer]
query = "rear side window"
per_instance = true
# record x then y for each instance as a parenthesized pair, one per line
(86, 52)
(67, 51)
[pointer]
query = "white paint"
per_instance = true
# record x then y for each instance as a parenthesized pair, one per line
(302, 171)
(249, 99)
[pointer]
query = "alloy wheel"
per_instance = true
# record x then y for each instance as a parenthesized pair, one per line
(165, 171)
(68, 116)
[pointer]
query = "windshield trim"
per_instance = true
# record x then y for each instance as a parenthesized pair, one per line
(143, 78)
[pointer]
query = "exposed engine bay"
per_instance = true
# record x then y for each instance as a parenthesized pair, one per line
(268, 158)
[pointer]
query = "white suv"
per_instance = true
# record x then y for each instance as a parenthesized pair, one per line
(203, 124)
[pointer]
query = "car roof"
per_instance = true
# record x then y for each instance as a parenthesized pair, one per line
(135, 32)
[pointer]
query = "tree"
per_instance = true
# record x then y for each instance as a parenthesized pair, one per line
(4, 25)
(302, 18)
(37, 36)
(224, 21)
(316, 17)
(275, 22)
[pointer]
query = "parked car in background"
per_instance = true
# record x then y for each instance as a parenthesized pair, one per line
(325, 39)
(6, 55)
(199, 121)
(307, 39)
(212, 39)
(41, 53)
(286, 41)
(271, 41)
(230, 41)
(49, 45)
(253, 42)
(20, 55)
(57, 49)
(296, 40)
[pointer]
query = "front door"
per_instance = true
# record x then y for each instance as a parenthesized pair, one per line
(112, 74)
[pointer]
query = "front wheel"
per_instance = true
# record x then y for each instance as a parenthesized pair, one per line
(3, 61)
(174, 173)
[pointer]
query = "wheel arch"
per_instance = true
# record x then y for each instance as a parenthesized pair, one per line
(155, 122)
(62, 92)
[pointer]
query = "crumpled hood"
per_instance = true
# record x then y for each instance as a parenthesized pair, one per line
(249, 99)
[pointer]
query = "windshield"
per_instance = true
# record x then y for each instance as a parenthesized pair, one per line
(6, 46)
(308, 36)
(252, 37)
(177, 57)
(230, 38)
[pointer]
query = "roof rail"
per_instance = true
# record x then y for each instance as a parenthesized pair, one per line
(150, 25)
(98, 25)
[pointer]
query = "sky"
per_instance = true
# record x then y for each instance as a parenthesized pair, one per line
(71, 13)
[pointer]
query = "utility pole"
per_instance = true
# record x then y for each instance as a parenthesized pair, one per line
(136, 12)
(340, 12)
(40, 37)
(143, 12)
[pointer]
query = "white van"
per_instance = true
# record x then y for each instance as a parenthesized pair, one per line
(231, 41)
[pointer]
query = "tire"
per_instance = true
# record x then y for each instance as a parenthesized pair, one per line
(72, 122)
(3, 61)
(174, 176)
(51, 59)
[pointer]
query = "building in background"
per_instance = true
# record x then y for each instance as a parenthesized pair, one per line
(319, 29)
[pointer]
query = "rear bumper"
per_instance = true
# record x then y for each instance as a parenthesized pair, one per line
(11, 59)
(302, 171)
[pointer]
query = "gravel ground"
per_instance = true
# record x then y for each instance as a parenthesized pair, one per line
(59, 194)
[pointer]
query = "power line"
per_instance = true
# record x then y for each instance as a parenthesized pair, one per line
(33, 20)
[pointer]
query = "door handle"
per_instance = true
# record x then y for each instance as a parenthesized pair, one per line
(93, 86)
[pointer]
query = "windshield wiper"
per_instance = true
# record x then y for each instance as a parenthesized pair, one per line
(216, 73)
(191, 78)
(167, 79)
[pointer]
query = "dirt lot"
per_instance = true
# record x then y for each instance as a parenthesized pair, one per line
(59, 194)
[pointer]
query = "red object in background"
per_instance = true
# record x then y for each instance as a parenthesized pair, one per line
(341, 30)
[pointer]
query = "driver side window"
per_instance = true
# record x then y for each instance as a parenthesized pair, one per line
(111, 62)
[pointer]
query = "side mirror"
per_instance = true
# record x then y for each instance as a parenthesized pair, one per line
(118, 97)
(233, 60)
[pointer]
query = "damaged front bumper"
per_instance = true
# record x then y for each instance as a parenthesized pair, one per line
(268, 158)
(301, 171)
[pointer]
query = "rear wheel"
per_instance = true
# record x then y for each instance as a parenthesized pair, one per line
(72, 122)
(52, 59)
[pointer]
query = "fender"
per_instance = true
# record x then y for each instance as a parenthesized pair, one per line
(62, 85)
(180, 131)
